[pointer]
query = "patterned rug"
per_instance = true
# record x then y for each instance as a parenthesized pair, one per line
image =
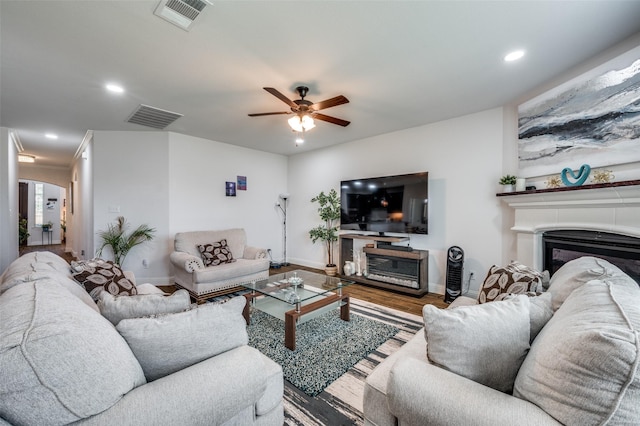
(326, 346)
(341, 402)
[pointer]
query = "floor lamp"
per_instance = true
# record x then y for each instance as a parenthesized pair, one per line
(283, 207)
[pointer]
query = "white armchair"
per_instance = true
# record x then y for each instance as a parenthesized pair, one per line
(202, 282)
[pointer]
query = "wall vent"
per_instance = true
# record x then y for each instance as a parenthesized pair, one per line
(181, 13)
(157, 118)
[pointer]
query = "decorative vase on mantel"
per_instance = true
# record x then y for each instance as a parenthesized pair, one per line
(507, 188)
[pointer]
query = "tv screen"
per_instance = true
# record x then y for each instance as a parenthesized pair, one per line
(396, 204)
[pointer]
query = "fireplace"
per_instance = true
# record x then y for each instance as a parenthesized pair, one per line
(394, 270)
(561, 246)
(555, 225)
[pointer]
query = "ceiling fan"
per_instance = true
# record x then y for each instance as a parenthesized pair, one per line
(306, 111)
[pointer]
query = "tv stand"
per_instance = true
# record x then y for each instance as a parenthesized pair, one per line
(400, 268)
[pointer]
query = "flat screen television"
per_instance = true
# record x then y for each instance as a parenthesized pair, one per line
(397, 204)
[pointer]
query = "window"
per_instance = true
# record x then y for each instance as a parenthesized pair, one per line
(39, 203)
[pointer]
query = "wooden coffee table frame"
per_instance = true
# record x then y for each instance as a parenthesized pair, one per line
(291, 317)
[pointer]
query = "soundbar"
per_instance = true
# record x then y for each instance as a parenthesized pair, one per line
(392, 247)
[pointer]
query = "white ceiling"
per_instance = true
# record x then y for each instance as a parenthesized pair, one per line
(400, 63)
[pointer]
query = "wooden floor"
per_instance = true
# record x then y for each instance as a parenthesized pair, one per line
(379, 296)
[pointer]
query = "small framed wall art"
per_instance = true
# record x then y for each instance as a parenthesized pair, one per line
(230, 190)
(242, 183)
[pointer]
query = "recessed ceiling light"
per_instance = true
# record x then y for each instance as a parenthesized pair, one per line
(114, 88)
(51, 136)
(514, 56)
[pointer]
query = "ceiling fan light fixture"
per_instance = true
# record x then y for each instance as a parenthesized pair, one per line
(24, 158)
(300, 123)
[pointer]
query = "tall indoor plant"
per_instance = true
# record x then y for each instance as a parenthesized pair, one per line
(329, 212)
(120, 242)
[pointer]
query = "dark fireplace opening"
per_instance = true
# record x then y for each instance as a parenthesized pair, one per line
(404, 272)
(559, 247)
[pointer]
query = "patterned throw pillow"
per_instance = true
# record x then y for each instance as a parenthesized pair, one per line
(216, 253)
(514, 278)
(105, 275)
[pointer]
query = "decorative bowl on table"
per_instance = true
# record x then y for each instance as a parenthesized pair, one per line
(295, 281)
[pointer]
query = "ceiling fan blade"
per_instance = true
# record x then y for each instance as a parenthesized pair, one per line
(280, 96)
(329, 119)
(269, 113)
(338, 100)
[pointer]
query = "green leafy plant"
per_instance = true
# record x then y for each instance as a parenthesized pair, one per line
(507, 180)
(329, 212)
(120, 242)
(47, 226)
(63, 227)
(23, 231)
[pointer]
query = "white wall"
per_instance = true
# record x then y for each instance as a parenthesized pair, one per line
(176, 183)
(8, 199)
(80, 241)
(464, 158)
(198, 171)
(131, 179)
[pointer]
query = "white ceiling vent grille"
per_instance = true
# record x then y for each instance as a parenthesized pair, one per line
(181, 13)
(149, 116)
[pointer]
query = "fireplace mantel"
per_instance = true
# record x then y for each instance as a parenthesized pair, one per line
(615, 193)
(612, 207)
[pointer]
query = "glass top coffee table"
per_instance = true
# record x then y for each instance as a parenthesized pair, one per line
(297, 296)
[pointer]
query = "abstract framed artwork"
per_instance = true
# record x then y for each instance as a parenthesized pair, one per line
(593, 119)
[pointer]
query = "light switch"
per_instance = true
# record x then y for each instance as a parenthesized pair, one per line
(114, 209)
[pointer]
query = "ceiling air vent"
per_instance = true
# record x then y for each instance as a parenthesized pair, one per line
(149, 116)
(181, 13)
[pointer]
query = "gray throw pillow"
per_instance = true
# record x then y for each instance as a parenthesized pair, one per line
(117, 308)
(575, 273)
(583, 368)
(486, 343)
(540, 311)
(165, 344)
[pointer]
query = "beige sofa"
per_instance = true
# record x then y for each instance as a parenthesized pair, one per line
(63, 362)
(582, 368)
(250, 263)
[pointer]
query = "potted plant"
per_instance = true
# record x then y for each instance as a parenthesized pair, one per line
(46, 227)
(329, 212)
(23, 231)
(507, 182)
(121, 243)
(63, 233)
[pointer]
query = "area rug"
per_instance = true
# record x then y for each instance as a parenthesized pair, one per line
(326, 346)
(341, 402)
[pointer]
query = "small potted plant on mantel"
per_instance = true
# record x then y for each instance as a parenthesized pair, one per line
(508, 183)
(329, 212)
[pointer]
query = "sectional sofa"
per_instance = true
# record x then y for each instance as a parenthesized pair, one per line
(62, 361)
(568, 356)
